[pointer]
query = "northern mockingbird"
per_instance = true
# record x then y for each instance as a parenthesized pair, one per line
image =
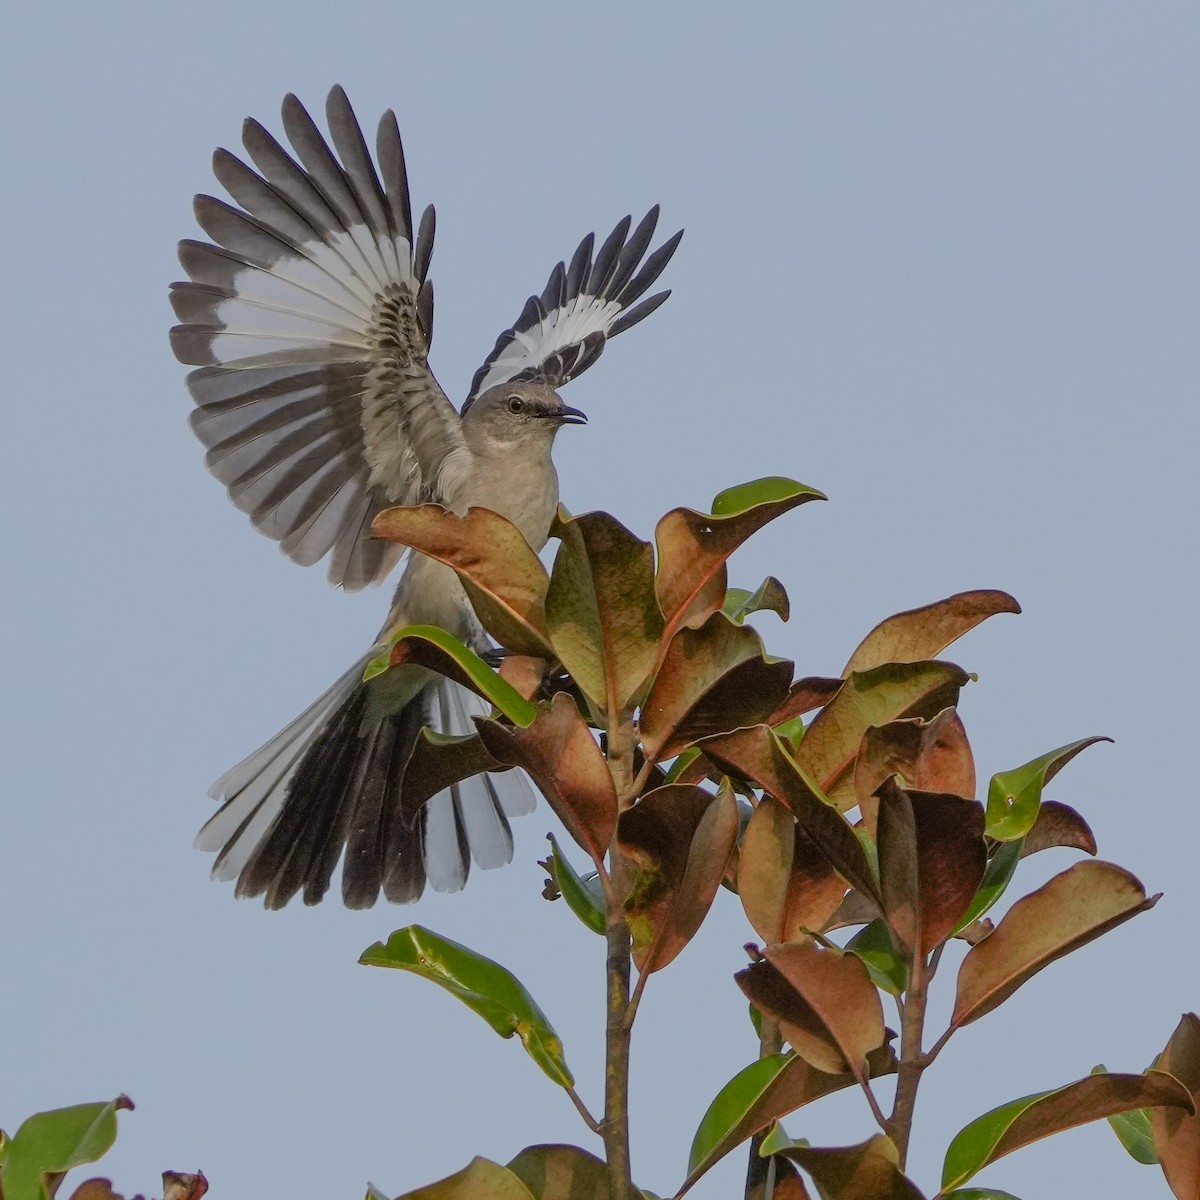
(309, 316)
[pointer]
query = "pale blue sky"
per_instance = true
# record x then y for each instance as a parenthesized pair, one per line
(941, 261)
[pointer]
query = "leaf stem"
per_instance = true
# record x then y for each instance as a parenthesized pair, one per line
(582, 1108)
(760, 1172)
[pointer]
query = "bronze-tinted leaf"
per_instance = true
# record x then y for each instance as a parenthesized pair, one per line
(557, 1172)
(96, 1189)
(1058, 824)
(758, 755)
(1080, 904)
(1020, 1122)
(828, 750)
(680, 837)
(504, 578)
(561, 755)
(601, 611)
(826, 1005)
(480, 1179)
(711, 679)
(931, 861)
(769, 596)
(813, 691)
(786, 885)
(868, 1171)
(932, 756)
(183, 1185)
(923, 633)
(439, 760)
(526, 674)
(1176, 1131)
(693, 546)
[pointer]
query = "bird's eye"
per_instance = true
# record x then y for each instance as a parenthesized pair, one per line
(516, 404)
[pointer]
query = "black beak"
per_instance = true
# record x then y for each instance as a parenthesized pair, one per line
(571, 416)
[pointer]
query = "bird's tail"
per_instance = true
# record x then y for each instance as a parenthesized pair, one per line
(333, 779)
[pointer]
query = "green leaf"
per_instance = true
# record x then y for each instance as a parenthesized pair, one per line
(586, 902)
(1014, 797)
(693, 547)
(49, 1144)
(996, 878)
(603, 619)
(978, 1194)
(887, 968)
(1133, 1130)
(923, 633)
(769, 596)
(428, 646)
(483, 985)
(1031, 1118)
(729, 1109)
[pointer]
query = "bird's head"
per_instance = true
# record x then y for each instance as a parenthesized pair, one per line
(513, 413)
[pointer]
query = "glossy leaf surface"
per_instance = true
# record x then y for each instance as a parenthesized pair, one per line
(1015, 796)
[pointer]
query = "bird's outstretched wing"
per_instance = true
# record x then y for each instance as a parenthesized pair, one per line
(560, 333)
(310, 316)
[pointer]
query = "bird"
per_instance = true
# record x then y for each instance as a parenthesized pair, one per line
(308, 318)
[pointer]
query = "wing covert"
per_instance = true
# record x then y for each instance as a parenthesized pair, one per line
(309, 316)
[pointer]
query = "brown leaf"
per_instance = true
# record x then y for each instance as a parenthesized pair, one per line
(680, 837)
(1176, 1131)
(436, 762)
(179, 1186)
(502, 575)
(923, 633)
(601, 611)
(480, 1179)
(558, 1172)
(828, 750)
(1074, 907)
(932, 756)
(855, 909)
(931, 862)
(96, 1189)
(561, 755)
(693, 548)
(524, 673)
(868, 1171)
(788, 1184)
(827, 1007)
(1058, 824)
(711, 679)
(757, 754)
(786, 885)
(813, 691)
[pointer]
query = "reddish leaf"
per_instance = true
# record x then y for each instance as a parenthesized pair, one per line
(787, 886)
(601, 612)
(932, 756)
(561, 755)
(923, 633)
(824, 1000)
(524, 673)
(680, 837)
(868, 1171)
(557, 1172)
(1080, 904)
(813, 691)
(931, 861)
(504, 578)
(181, 1186)
(711, 679)
(693, 546)
(1058, 824)
(1176, 1131)
(758, 755)
(896, 690)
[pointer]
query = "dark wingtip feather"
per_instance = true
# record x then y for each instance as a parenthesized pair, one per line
(634, 315)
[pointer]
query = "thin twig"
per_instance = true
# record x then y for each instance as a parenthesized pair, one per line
(937, 1047)
(636, 998)
(876, 1111)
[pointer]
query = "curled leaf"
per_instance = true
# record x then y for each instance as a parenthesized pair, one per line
(868, 1171)
(482, 985)
(1015, 796)
(1177, 1131)
(769, 596)
(583, 899)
